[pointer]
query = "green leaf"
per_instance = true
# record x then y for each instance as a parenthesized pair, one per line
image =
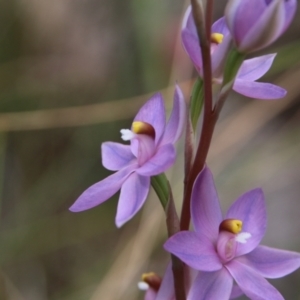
(196, 102)
(161, 187)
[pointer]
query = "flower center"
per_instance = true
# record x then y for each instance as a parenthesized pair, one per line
(216, 38)
(231, 225)
(137, 127)
(150, 280)
(229, 237)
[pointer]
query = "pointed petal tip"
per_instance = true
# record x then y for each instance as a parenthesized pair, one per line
(120, 223)
(186, 17)
(258, 90)
(74, 208)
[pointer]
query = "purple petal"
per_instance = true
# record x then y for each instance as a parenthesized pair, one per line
(166, 290)
(218, 57)
(236, 292)
(146, 148)
(242, 15)
(251, 283)
(188, 21)
(290, 10)
(251, 210)
(177, 119)
(115, 156)
(163, 159)
(211, 286)
(258, 90)
(153, 112)
(226, 246)
(205, 209)
(133, 195)
(220, 26)
(150, 294)
(271, 262)
(267, 28)
(254, 68)
(191, 45)
(134, 146)
(102, 190)
(198, 253)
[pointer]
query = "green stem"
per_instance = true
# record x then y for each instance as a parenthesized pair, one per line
(232, 66)
(161, 187)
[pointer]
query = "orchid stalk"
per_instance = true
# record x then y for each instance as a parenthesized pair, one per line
(221, 257)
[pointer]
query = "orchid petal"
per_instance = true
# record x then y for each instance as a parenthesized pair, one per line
(251, 210)
(191, 46)
(166, 290)
(133, 194)
(146, 148)
(267, 28)
(163, 159)
(153, 113)
(226, 246)
(220, 26)
(205, 208)
(239, 22)
(258, 90)
(134, 146)
(251, 283)
(290, 10)
(236, 292)
(198, 253)
(188, 21)
(271, 262)
(177, 119)
(150, 294)
(254, 68)
(219, 55)
(102, 190)
(211, 286)
(115, 156)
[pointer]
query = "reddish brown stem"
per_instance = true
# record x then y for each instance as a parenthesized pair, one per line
(209, 120)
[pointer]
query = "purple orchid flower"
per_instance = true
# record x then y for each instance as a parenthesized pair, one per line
(151, 152)
(255, 24)
(227, 250)
(251, 69)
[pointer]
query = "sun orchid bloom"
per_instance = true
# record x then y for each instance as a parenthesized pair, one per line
(220, 42)
(227, 250)
(250, 71)
(255, 24)
(150, 153)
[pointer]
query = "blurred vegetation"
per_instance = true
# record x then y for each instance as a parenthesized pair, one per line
(72, 74)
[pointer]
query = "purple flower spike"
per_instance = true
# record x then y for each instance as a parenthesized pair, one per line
(255, 24)
(227, 250)
(251, 69)
(150, 153)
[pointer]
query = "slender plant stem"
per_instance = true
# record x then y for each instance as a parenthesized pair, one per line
(188, 150)
(173, 227)
(209, 119)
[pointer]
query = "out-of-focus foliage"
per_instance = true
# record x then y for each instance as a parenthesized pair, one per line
(72, 73)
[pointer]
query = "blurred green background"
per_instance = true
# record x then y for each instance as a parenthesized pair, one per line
(72, 74)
